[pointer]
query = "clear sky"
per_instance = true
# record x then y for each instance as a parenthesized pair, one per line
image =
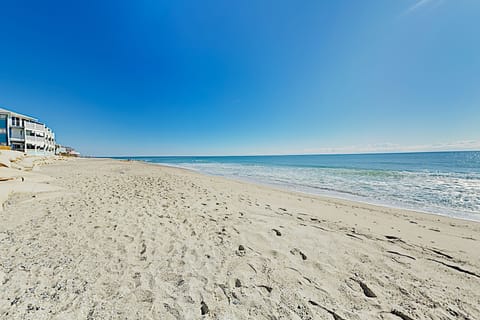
(190, 77)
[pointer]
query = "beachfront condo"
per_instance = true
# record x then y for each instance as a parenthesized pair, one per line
(26, 134)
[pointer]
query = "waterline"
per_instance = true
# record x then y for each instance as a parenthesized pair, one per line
(446, 183)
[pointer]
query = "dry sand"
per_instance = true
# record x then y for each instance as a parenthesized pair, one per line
(108, 239)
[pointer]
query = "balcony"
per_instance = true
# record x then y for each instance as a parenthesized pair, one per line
(39, 141)
(34, 126)
(17, 137)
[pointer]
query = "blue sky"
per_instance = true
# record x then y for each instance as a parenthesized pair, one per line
(245, 77)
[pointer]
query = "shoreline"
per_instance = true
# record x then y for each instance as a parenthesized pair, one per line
(126, 239)
(279, 187)
(412, 215)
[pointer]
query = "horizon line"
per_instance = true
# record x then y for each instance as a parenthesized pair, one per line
(284, 154)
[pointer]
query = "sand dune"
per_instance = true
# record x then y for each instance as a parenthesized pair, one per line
(128, 240)
(18, 175)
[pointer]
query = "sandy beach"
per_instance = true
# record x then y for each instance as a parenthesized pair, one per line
(111, 239)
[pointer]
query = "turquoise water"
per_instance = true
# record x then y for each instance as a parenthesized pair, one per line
(446, 183)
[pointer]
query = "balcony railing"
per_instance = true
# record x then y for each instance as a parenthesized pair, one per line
(34, 126)
(17, 137)
(35, 140)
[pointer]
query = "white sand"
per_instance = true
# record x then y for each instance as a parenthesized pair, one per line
(129, 240)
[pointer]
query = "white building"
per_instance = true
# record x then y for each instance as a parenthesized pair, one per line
(23, 133)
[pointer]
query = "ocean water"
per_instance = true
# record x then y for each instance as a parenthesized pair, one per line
(446, 183)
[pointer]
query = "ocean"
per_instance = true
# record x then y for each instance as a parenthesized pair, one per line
(446, 183)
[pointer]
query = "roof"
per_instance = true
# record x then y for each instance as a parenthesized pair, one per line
(14, 114)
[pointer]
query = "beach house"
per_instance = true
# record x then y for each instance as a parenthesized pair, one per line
(26, 134)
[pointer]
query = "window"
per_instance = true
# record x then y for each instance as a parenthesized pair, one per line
(17, 146)
(15, 121)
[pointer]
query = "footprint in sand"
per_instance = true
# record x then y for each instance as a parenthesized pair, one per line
(241, 250)
(277, 232)
(238, 283)
(143, 250)
(295, 251)
(204, 308)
